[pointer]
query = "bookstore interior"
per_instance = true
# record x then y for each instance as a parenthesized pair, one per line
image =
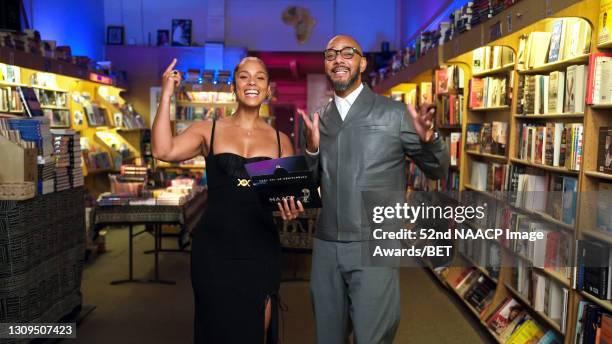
(523, 97)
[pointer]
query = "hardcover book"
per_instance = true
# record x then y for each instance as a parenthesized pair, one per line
(604, 150)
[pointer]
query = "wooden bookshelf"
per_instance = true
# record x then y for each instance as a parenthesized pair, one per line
(555, 276)
(601, 106)
(560, 170)
(607, 45)
(449, 127)
(551, 67)
(492, 108)
(472, 263)
(598, 175)
(495, 71)
(598, 235)
(487, 155)
(607, 305)
(535, 15)
(518, 296)
(549, 116)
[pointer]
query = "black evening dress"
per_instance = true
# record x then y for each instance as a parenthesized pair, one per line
(235, 259)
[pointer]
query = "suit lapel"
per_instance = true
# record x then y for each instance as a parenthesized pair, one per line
(361, 107)
(332, 115)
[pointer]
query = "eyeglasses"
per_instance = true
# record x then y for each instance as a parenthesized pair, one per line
(346, 53)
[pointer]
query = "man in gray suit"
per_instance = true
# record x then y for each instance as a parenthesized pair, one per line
(359, 142)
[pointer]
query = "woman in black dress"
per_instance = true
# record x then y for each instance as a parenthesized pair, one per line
(235, 260)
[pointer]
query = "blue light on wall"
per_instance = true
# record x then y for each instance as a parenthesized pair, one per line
(79, 24)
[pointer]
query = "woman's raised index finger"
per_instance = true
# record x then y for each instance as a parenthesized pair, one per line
(171, 65)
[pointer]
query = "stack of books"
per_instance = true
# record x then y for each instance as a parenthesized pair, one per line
(46, 175)
(35, 130)
(68, 156)
(489, 138)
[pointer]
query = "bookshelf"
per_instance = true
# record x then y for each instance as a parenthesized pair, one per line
(535, 16)
(551, 67)
(489, 109)
(548, 116)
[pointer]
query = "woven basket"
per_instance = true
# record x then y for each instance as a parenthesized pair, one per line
(17, 191)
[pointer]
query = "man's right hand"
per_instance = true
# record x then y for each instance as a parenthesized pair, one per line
(311, 130)
(170, 79)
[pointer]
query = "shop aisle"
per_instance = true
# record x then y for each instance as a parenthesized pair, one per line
(149, 313)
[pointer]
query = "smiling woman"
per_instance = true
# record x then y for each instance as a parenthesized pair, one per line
(232, 244)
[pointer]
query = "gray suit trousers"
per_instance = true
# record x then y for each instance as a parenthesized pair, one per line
(341, 287)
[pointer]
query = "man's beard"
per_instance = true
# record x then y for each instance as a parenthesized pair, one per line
(340, 86)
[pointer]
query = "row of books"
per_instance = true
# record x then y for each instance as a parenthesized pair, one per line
(36, 130)
(9, 100)
(477, 289)
(489, 92)
(552, 252)
(490, 138)
(207, 97)
(417, 180)
(198, 113)
(130, 118)
(557, 92)
(51, 98)
(488, 176)
(593, 324)
(449, 78)
(553, 144)
(568, 38)
(487, 58)
(452, 107)
(513, 324)
(526, 188)
(554, 195)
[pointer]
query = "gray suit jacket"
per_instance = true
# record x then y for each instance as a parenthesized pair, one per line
(366, 151)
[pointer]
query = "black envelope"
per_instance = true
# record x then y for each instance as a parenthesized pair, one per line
(277, 179)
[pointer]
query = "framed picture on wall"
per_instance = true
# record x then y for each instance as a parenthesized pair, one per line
(181, 32)
(163, 38)
(114, 35)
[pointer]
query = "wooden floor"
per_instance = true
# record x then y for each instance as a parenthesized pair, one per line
(148, 313)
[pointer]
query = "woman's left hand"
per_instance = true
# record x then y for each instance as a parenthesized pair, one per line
(291, 209)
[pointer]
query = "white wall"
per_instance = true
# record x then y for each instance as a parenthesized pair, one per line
(143, 17)
(370, 21)
(257, 24)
